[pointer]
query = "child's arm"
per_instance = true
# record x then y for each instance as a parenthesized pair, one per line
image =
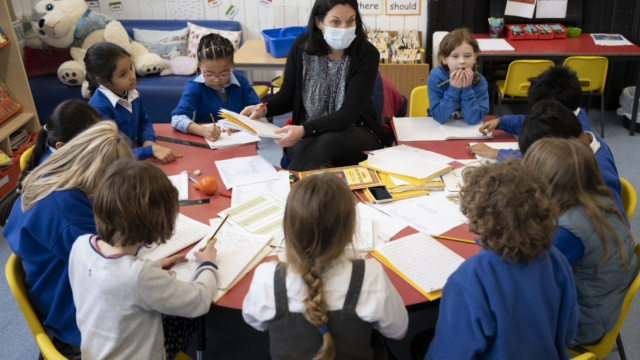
(181, 115)
(569, 245)
(511, 123)
(390, 316)
(474, 101)
(442, 102)
(259, 305)
(147, 137)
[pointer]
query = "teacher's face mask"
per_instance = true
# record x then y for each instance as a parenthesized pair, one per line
(339, 38)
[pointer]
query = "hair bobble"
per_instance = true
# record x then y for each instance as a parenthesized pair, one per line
(323, 329)
(45, 128)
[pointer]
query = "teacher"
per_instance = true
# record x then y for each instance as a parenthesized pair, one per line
(328, 81)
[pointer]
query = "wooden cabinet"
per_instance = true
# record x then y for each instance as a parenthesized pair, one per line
(405, 76)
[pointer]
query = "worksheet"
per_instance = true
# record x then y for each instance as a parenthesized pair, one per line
(425, 213)
(181, 182)
(280, 188)
(246, 170)
(187, 232)
(262, 215)
(374, 227)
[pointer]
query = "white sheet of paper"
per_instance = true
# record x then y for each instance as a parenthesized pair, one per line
(246, 170)
(453, 180)
(610, 40)
(409, 161)
(427, 129)
(494, 45)
(244, 193)
(262, 215)
(425, 213)
(551, 9)
(521, 9)
(422, 259)
(261, 126)
(374, 227)
(181, 182)
(230, 140)
(187, 232)
(513, 145)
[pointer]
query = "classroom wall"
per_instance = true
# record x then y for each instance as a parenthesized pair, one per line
(254, 15)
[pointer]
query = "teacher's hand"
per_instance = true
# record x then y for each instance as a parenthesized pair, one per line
(293, 133)
(253, 113)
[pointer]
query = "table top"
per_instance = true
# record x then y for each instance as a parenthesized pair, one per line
(253, 52)
(582, 45)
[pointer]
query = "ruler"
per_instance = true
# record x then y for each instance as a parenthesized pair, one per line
(194, 202)
(182, 142)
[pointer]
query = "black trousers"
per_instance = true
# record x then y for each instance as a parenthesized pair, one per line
(332, 149)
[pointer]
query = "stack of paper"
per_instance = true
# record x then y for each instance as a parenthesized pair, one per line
(408, 163)
(499, 146)
(181, 183)
(246, 170)
(374, 227)
(610, 39)
(427, 129)
(421, 261)
(494, 45)
(187, 232)
(260, 127)
(230, 140)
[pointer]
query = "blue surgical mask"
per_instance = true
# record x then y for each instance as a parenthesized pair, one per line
(339, 38)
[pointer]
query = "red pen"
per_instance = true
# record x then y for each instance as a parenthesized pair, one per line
(225, 193)
(260, 107)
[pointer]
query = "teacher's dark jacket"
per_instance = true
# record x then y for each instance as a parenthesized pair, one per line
(357, 108)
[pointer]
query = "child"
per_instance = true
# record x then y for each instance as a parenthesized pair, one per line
(110, 71)
(516, 298)
(558, 83)
(52, 211)
(119, 297)
(305, 303)
(591, 232)
(67, 120)
(548, 118)
(216, 87)
(456, 89)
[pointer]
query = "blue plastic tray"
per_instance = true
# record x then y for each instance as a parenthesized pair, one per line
(278, 41)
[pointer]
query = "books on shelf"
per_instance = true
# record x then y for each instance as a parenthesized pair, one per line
(259, 127)
(18, 138)
(8, 104)
(4, 159)
(355, 176)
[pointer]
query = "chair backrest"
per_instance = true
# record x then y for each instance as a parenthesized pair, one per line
(419, 102)
(15, 278)
(629, 197)
(602, 348)
(518, 75)
(261, 90)
(24, 158)
(585, 356)
(591, 70)
(435, 46)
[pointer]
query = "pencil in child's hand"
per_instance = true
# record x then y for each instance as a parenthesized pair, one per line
(444, 82)
(212, 119)
(215, 233)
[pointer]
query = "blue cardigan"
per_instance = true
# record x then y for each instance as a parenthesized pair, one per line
(200, 100)
(495, 309)
(42, 237)
(472, 101)
(135, 124)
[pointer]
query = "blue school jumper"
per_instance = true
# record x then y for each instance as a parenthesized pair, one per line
(198, 100)
(42, 237)
(496, 309)
(446, 101)
(133, 122)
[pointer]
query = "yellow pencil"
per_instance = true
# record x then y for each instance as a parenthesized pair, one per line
(452, 239)
(215, 233)
(212, 119)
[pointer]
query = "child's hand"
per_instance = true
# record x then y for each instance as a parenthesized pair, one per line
(468, 77)
(209, 254)
(231, 131)
(293, 134)
(457, 79)
(172, 260)
(488, 126)
(212, 133)
(253, 113)
(483, 150)
(163, 154)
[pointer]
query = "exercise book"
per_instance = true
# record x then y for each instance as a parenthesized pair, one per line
(408, 161)
(227, 140)
(243, 123)
(427, 129)
(187, 232)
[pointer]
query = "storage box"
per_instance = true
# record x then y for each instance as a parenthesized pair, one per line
(511, 35)
(279, 41)
(561, 35)
(9, 177)
(543, 33)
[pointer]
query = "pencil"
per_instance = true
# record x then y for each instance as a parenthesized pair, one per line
(452, 239)
(215, 232)
(212, 119)
(178, 156)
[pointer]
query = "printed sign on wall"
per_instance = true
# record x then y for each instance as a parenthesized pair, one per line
(403, 7)
(370, 7)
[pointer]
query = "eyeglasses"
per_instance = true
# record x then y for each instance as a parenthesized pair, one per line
(223, 75)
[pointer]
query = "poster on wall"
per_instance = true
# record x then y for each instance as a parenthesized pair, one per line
(93, 5)
(186, 10)
(214, 3)
(403, 7)
(370, 7)
(521, 8)
(551, 9)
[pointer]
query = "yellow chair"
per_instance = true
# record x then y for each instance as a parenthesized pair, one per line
(419, 102)
(629, 197)
(261, 90)
(604, 346)
(592, 73)
(24, 158)
(277, 82)
(15, 279)
(516, 84)
(585, 356)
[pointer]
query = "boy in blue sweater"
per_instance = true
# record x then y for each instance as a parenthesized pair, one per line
(216, 87)
(515, 299)
(559, 83)
(110, 72)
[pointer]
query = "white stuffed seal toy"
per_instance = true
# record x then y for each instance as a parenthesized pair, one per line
(70, 23)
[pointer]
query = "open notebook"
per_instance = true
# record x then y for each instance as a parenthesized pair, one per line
(187, 232)
(259, 127)
(230, 140)
(421, 261)
(427, 129)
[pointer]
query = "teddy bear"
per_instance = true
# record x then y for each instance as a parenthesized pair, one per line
(70, 23)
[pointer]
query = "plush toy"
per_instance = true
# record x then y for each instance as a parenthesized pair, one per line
(179, 65)
(69, 23)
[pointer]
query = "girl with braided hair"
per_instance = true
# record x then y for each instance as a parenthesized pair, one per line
(322, 304)
(216, 87)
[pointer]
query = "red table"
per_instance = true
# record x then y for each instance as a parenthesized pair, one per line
(558, 49)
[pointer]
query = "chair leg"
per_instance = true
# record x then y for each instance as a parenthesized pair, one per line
(602, 115)
(201, 338)
(623, 356)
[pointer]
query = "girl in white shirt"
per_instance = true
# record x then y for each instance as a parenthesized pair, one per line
(320, 304)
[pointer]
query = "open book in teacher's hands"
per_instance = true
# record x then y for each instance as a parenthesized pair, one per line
(260, 127)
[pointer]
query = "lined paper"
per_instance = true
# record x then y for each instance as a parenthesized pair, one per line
(425, 213)
(404, 160)
(187, 232)
(246, 170)
(243, 193)
(181, 182)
